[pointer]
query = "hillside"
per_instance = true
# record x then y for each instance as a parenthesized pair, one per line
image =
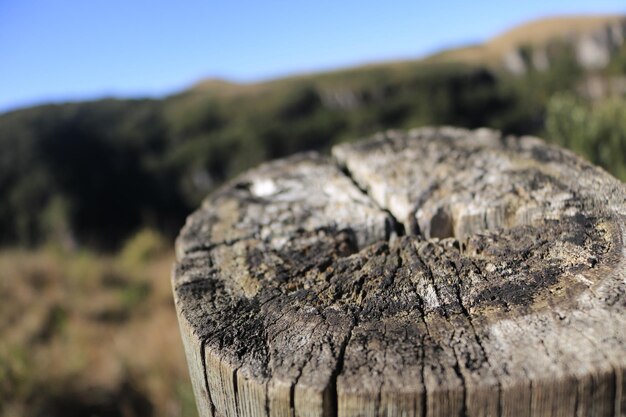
(609, 29)
(92, 173)
(539, 34)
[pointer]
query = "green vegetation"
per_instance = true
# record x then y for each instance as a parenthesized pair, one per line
(91, 174)
(596, 131)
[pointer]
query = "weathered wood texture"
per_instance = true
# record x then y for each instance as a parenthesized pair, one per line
(435, 272)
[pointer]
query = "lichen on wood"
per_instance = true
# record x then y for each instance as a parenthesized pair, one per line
(434, 272)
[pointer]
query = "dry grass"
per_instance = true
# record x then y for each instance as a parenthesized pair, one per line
(543, 30)
(536, 32)
(83, 334)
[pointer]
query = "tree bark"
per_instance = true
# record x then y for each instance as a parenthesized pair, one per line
(435, 272)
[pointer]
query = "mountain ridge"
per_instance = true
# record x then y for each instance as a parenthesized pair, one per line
(496, 51)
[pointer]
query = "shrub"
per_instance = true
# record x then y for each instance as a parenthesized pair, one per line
(596, 131)
(144, 246)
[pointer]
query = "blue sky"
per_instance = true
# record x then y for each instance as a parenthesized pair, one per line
(55, 50)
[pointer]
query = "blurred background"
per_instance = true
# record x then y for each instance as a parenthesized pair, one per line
(117, 118)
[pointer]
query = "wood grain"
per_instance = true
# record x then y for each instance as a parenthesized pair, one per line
(434, 272)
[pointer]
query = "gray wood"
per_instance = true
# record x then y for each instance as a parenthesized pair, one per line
(435, 272)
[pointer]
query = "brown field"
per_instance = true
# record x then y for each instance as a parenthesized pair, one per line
(89, 335)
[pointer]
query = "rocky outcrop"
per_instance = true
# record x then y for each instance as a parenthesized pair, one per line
(592, 49)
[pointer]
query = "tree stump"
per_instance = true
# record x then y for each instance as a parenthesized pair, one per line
(435, 272)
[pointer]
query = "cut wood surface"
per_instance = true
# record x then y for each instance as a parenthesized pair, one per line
(434, 272)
